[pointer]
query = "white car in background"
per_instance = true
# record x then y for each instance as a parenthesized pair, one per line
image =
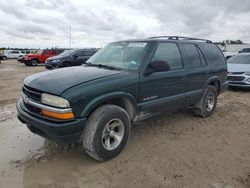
(239, 71)
(230, 54)
(13, 54)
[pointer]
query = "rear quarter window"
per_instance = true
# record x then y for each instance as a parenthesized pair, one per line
(213, 54)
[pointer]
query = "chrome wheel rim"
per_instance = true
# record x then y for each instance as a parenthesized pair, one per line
(112, 134)
(210, 101)
(33, 62)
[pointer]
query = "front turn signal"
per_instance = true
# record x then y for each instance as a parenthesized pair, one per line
(67, 115)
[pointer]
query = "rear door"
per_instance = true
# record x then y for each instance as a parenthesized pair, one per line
(78, 58)
(164, 91)
(197, 71)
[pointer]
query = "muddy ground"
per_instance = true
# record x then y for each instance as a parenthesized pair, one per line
(176, 150)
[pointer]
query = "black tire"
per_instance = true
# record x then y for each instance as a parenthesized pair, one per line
(33, 62)
(93, 141)
(27, 63)
(206, 106)
(4, 58)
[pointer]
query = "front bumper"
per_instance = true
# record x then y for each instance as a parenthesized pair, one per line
(49, 66)
(239, 80)
(239, 85)
(62, 131)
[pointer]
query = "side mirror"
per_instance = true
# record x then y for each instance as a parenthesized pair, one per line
(75, 56)
(157, 66)
(240, 51)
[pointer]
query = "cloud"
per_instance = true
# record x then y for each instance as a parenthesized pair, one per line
(45, 23)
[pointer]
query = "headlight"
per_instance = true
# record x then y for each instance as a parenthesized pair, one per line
(53, 100)
(55, 61)
(247, 73)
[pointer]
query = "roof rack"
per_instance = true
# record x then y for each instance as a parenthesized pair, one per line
(181, 38)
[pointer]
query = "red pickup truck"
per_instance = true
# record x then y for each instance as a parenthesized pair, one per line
(39, 57)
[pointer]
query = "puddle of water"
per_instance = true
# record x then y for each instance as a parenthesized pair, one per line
(17, 144)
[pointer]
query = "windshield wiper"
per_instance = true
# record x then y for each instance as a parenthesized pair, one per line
(100, 65)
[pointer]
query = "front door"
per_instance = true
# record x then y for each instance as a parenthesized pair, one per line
(164, 91)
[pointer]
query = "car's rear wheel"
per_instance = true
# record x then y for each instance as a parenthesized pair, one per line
(27, 63)
(206, 106)
(4, 58)
(106, 132)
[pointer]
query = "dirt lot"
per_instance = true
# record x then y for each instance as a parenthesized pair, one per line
(176, 150)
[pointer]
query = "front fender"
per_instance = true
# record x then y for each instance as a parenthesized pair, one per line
(93, 104)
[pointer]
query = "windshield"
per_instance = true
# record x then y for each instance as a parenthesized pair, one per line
(240, 59)
(66, 53)
(122, 55)
(39, 52)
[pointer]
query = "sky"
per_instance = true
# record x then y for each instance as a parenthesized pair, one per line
(94, 23)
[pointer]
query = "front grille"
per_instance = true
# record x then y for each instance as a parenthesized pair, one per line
(33, 109)
(33, 94)
(235, 73)
(235, 78)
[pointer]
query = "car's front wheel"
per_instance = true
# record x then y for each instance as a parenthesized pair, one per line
(106, 132)
(34, 62)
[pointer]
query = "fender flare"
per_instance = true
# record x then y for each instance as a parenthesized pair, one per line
(96, 102)
(210, 80)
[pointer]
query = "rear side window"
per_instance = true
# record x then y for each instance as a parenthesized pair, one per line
(89, 53)
(202, 58)
(214, 54)
(169, 52)
(247, 50)
(193, 55)
(80, 53)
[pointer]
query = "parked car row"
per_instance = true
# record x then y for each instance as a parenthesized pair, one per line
(40, 57)
(69, 58)
(13, 54)
(231, 54)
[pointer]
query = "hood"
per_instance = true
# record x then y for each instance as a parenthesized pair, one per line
(33, 55)
(55, 58)
(59, 80)
(238, 67)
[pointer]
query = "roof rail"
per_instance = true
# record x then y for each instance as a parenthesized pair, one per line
(180, 38)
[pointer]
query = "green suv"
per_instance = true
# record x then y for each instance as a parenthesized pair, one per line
(127, 81)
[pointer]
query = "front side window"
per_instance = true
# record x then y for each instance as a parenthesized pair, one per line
(170, 53)
(45, 52)
(122, 55)
(79, 53)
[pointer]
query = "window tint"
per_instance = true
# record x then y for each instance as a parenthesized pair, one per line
(80, 53)
(169, 52)
(89, 53)
(214, 54)
(45, 52)
(192, 55)
(202, 58)
(246, 50)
